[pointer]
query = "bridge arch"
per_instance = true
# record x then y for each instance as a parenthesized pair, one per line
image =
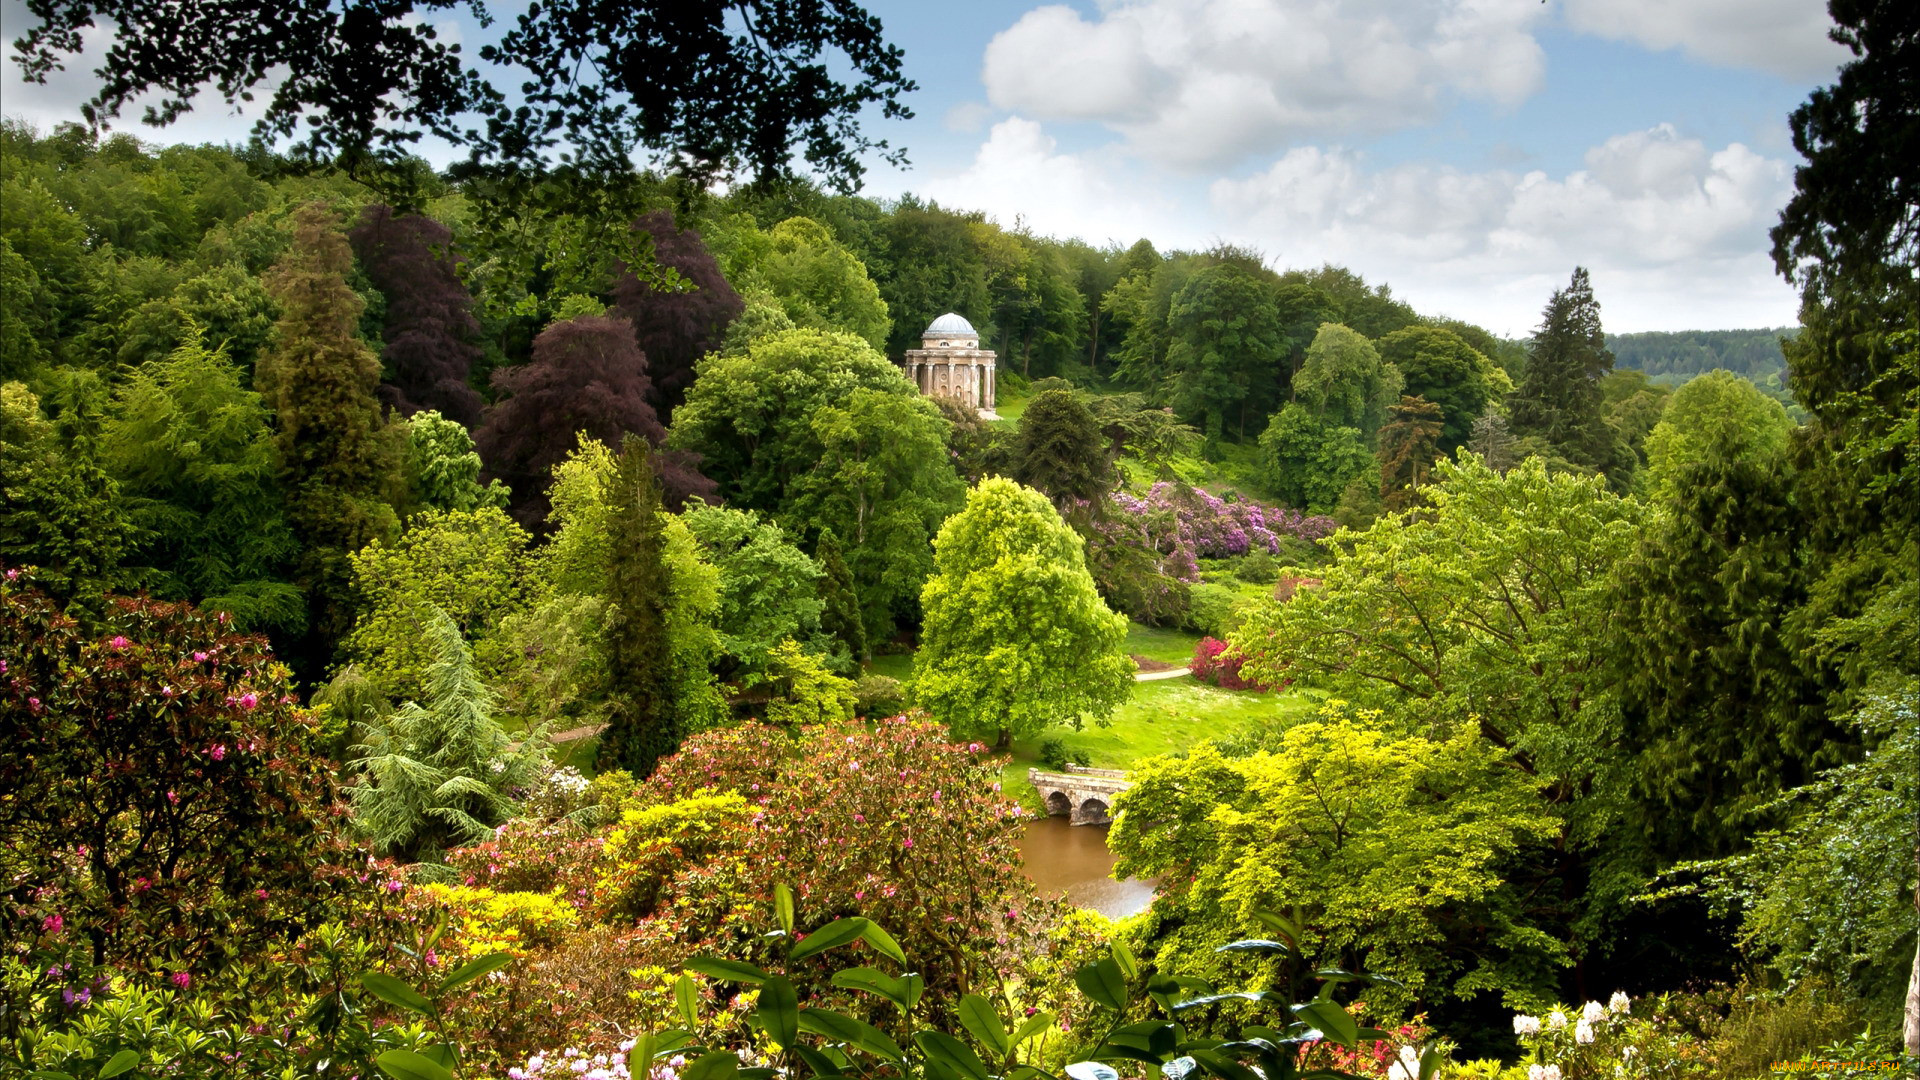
(1058, 804)
(1081, 795)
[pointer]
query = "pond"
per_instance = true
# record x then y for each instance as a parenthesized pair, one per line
(1074, 859)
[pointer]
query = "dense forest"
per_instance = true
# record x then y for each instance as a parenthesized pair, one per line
(524, 623)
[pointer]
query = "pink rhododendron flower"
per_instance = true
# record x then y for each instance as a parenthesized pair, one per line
(218, 752)
(53, 924)
(182, 980)
(118, 642)
(249, 699)
(199, 658)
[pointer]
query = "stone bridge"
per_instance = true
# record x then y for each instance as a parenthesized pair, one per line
(1083, 796)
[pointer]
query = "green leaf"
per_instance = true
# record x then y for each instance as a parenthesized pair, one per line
(686, 998)
(718, 1065)
(1123, 956)
(883, 943)
(1431, 1061)
(119, 1063)
(783, 907)
(858, 1034)
(1091, 1070)
(475, 968)
(816, 1062)
(407, 1065)
(48, 1074)
(1256, 945)
(1156, 1038)
(1102, 982)
(879, 983)
(1031, 1026)
(834, 934)
(1332, 1020)
(640, 1058)
(983, 1023)
(780, 1010)
(954, 1054)
(394, 992)
(1215, 999)
(1178, 1068)
(1222, 1066)
(714, 967)
(1288, 929)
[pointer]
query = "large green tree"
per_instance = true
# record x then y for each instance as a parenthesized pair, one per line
(1017, 638)
(193, 452)
(1718, 415)
(1440, 367)
(1227, 346)
(710, 88)
(1308, 461)
(1061, 452)
(1345, 382)
(822, 432)
(819, 283)
(339, 461)
(1559, 400)
(1390, 851)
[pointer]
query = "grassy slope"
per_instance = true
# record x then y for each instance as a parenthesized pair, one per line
(1160, 643)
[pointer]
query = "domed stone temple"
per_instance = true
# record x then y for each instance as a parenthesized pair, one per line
(950, 363)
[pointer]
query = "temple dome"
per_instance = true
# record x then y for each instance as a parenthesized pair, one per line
(952, 325)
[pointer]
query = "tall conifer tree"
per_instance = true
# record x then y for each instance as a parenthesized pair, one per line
(336, 457)
(1560, 399)
(841, 615)
(1409, 445)
(640, 724)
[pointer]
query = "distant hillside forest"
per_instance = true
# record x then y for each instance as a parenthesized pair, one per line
(1680, 355)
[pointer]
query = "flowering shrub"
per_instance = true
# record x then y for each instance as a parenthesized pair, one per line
(1213, 662)
(1189, 523)
(164, 813)
(895, 823)
(509, 922)
(528, 855)
(650, 844)
(1607, 1041)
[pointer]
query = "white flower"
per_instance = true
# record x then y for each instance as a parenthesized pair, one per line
(1583, 1033)
(1526, 1025)
(1556, 1020)
(1617, 1004)
(1593, 1012)
(1407, 1067)
(1543, 1072)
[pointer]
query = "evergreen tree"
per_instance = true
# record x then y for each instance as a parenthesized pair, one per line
(437, 775)
(59, 510)
(1559, 400)
(840, 618)
(432, 337)
(1492, 441)
(193, 452)
(641, 727)
(336, 458)
(1409, 445)
(1062, 453)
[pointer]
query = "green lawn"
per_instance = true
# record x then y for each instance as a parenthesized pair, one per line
(1160, 643)
(1162, 718)
(897, 666)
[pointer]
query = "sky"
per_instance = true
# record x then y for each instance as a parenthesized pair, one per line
(1468, 153)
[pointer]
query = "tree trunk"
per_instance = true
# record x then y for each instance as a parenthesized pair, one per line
(1005, 741)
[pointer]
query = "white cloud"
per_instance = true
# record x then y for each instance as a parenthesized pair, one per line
(1674, 233)
(1787, 38)
(1020, 176)
(1200, 83)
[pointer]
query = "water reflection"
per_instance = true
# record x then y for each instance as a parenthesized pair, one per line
(1075, 859)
